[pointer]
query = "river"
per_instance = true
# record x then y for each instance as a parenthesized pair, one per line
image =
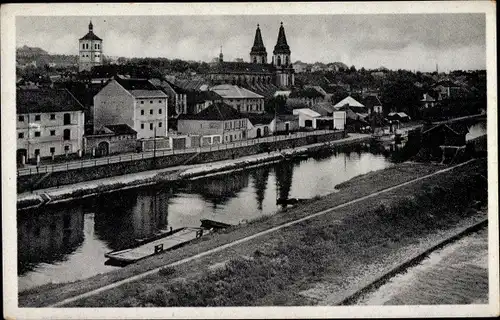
(67, 242)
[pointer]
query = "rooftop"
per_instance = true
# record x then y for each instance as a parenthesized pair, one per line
(121, 129)
(140, 88)
(234, 92)
(349, 101)
(46, 100)
(217, 111)
(242, 68)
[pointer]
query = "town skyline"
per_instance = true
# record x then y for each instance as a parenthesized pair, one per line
(453, 41)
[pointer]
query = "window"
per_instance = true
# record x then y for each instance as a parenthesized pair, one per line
(142, 125)
(150, 126)
(52, 116)
(21, 119)
(52, 132)
(159, 125)
(151, 111)
(160, 101)
(142, 102)
(67, 134)
(159, 111)
(37, 133)
(52, 150)
(37, 152)
(20, 135)
(66, 148)
(151, 101)
(37, 117)
(142, 112)
(67, 118)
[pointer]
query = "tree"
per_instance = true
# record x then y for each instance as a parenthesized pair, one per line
(352, 69)
(339, 94)
(277, 104)
(401, 95)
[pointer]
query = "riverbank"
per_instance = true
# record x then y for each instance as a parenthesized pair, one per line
(49, 294)
(81, 171)
(80, 190)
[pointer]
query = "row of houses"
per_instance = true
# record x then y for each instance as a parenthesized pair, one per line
(130, 114)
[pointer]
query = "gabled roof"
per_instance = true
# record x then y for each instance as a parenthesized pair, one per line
(350, 101)
(46, 100)
(427, 97)
(324, 108)
(140, 88)
(120, 129)
(234, 92)
(217, 111)
(259, 118)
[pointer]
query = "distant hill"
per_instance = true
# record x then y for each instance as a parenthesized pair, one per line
(38, 57)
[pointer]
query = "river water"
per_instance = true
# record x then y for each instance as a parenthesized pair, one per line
(67, 242)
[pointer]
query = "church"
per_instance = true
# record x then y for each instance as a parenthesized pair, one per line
(258, 73)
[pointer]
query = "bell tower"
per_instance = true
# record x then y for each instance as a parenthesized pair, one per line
(90, 49)
(282, 62)
(258, 54)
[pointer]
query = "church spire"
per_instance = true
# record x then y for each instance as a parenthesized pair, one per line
(281, 45)
(258, 54)
(258, 44)
(91, 26)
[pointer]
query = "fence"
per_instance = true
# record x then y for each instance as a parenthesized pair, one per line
(71, 165)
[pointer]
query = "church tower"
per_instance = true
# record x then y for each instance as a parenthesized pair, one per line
(281, 61)
(90, 47)
(258, 54)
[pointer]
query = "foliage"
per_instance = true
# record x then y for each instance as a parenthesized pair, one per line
(276, 104)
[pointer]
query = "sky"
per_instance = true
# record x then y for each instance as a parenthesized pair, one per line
(396, 41)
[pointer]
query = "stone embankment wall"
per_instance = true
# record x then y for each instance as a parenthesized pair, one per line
(26, 183)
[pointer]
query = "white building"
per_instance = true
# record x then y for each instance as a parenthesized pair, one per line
(135, 102)
(50, 122)
(239, 98)
(90, 48)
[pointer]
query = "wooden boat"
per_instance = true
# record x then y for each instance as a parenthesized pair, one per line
(212, 224)
(156, 244)
(289, 201)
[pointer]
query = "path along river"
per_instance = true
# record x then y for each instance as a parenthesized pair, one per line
(67, 242)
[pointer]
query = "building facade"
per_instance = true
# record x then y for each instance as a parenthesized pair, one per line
(135, 102)
(90, 50)
(50, 122)
(219, 119)
(241, 99)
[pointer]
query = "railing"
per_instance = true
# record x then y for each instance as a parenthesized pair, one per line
(72, 165)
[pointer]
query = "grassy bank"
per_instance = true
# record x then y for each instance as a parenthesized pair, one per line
(273, 274)
(365, 185)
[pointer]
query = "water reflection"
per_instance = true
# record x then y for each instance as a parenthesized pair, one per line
(48, 238)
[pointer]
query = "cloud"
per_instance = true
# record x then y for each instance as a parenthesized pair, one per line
(352, 39)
